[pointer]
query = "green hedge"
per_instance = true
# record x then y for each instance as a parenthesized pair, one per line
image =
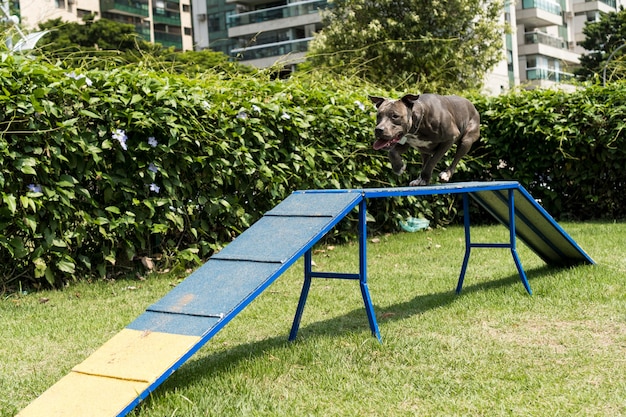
(567, 149)
(101, 169)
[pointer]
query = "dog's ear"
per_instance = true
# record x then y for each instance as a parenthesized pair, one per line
(410, 99)
(376, 100)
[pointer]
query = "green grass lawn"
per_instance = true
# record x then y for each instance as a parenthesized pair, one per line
(494, 350)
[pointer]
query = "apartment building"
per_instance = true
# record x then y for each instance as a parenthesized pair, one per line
(167, 22)
(541, 51)
(257, 32)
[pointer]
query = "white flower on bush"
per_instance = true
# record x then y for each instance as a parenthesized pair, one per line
(360, 105)
(79, 77)
(205, 105)
(256, 108)
(242, 115)
(155, 188)
(152, 142)
(34, 188)
(152, 168)
(120, 136)
(285, 116)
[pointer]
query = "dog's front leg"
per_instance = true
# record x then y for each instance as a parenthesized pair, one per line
(395, 156)
(423, 179)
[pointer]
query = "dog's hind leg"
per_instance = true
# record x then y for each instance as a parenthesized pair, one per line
(462, 148)
(429, 162)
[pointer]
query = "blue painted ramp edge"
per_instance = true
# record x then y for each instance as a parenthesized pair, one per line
(230, 280)
(534, 226)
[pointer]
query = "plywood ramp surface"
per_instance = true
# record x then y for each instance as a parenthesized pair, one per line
(113, 376)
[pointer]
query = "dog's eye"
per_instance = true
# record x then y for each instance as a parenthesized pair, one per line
(395, 116)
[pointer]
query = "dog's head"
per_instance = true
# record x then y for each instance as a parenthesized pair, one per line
(394, 119)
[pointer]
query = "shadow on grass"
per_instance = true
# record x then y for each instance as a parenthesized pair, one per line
(353, 321)
(356, 320)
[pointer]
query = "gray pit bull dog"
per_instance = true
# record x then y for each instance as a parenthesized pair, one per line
(429, 123)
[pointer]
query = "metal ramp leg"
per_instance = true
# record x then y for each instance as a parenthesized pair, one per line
(367, 300)
(361, 277)
(511, 245)
(303, 296)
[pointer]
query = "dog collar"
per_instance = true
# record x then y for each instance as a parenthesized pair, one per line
(403, 140)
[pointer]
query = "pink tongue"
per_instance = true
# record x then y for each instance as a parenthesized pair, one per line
(380, 143)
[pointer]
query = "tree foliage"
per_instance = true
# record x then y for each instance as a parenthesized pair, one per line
(435, 45)
(93, 43)
(108, 44)
(101, 34)
(602, 39)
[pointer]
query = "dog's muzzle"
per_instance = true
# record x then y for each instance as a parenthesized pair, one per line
(381, 142)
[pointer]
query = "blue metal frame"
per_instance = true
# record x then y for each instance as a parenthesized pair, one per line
(512, 245)
(361, 277)
(461, 188)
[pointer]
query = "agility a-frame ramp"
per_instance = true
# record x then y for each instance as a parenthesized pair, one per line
(127, 368)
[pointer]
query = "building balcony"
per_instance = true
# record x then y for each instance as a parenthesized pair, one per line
(539, 13)
(273, 13)
(604, 6)
(143, 31)
(546, 74)
(544, 39)
(548, 46)
(270, 50)
(550, 6)
(169, 39)
(125, 7)
(168, 18)
(610, 3)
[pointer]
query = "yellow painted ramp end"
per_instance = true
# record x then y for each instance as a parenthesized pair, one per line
(113, 376)
(80, 395)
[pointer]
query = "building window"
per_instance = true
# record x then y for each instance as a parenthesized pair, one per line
(81, 13)
(188, 31)
(215, 22)
(593, 16)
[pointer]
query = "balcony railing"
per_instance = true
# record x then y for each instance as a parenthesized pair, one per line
(611, 3)
(548, 74)
(547, 5)
(271, 50)
(544, 39)
(143, 31)
(169, 39)
(169, 18)
(128, 7)
(273, 13)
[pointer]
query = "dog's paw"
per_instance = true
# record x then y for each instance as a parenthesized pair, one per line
(418, 182)
(445, 176)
